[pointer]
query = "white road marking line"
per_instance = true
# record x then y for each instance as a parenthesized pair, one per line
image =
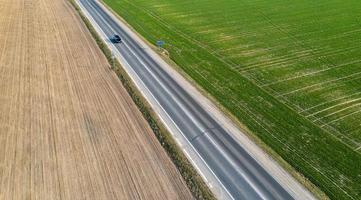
(123, 59)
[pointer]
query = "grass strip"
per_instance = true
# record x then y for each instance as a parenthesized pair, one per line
(322, 158)
(194, 182)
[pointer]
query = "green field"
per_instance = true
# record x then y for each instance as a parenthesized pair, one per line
(290, 71)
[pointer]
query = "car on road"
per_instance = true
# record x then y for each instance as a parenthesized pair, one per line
(116, 39)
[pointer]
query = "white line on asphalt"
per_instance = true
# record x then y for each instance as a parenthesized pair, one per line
(123, 59)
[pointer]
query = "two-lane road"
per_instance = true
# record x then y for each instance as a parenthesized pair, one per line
(235, 171)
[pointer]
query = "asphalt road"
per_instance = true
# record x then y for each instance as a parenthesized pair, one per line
(237, 171)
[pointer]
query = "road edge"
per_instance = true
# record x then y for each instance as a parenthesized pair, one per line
(193, 180)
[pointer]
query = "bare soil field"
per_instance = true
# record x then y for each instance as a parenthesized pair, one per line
(68, 128)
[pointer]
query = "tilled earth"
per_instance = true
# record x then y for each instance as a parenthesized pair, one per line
(68, 129)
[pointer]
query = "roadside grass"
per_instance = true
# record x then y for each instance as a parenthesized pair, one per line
(277, 70)
(194, 182)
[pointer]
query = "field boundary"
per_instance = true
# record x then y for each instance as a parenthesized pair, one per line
(193, 180)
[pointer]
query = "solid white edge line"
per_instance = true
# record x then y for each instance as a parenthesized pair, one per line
(163, 121)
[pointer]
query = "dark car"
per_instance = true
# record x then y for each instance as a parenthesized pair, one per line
(116, 39)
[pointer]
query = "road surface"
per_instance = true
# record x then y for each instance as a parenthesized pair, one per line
(227, 167)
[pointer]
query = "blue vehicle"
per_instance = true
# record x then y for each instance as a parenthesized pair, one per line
(116, 39)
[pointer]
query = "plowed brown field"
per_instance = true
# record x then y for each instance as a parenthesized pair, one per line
(68, 129)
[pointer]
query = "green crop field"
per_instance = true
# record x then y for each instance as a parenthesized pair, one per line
(290, 71)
